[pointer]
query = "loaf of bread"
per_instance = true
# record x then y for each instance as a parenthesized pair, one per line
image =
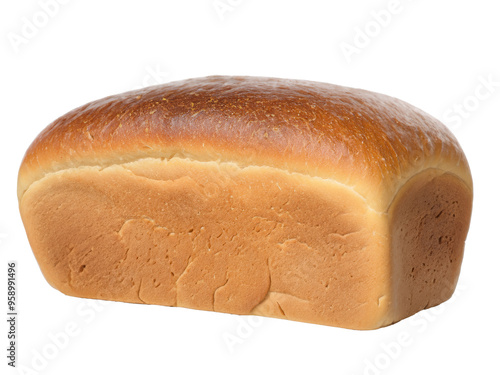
(281, 198)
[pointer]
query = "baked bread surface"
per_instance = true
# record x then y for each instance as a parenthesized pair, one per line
(283, 198)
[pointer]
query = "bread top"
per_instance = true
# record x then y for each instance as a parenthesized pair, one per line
(367, 141)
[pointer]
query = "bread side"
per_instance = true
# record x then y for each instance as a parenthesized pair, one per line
(428, 224)
(212, 236)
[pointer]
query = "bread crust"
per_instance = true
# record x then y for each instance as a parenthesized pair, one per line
(369, 141)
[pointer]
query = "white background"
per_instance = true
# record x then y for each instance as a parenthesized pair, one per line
(435, 55)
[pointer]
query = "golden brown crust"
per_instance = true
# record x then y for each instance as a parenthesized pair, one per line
(365, 140)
